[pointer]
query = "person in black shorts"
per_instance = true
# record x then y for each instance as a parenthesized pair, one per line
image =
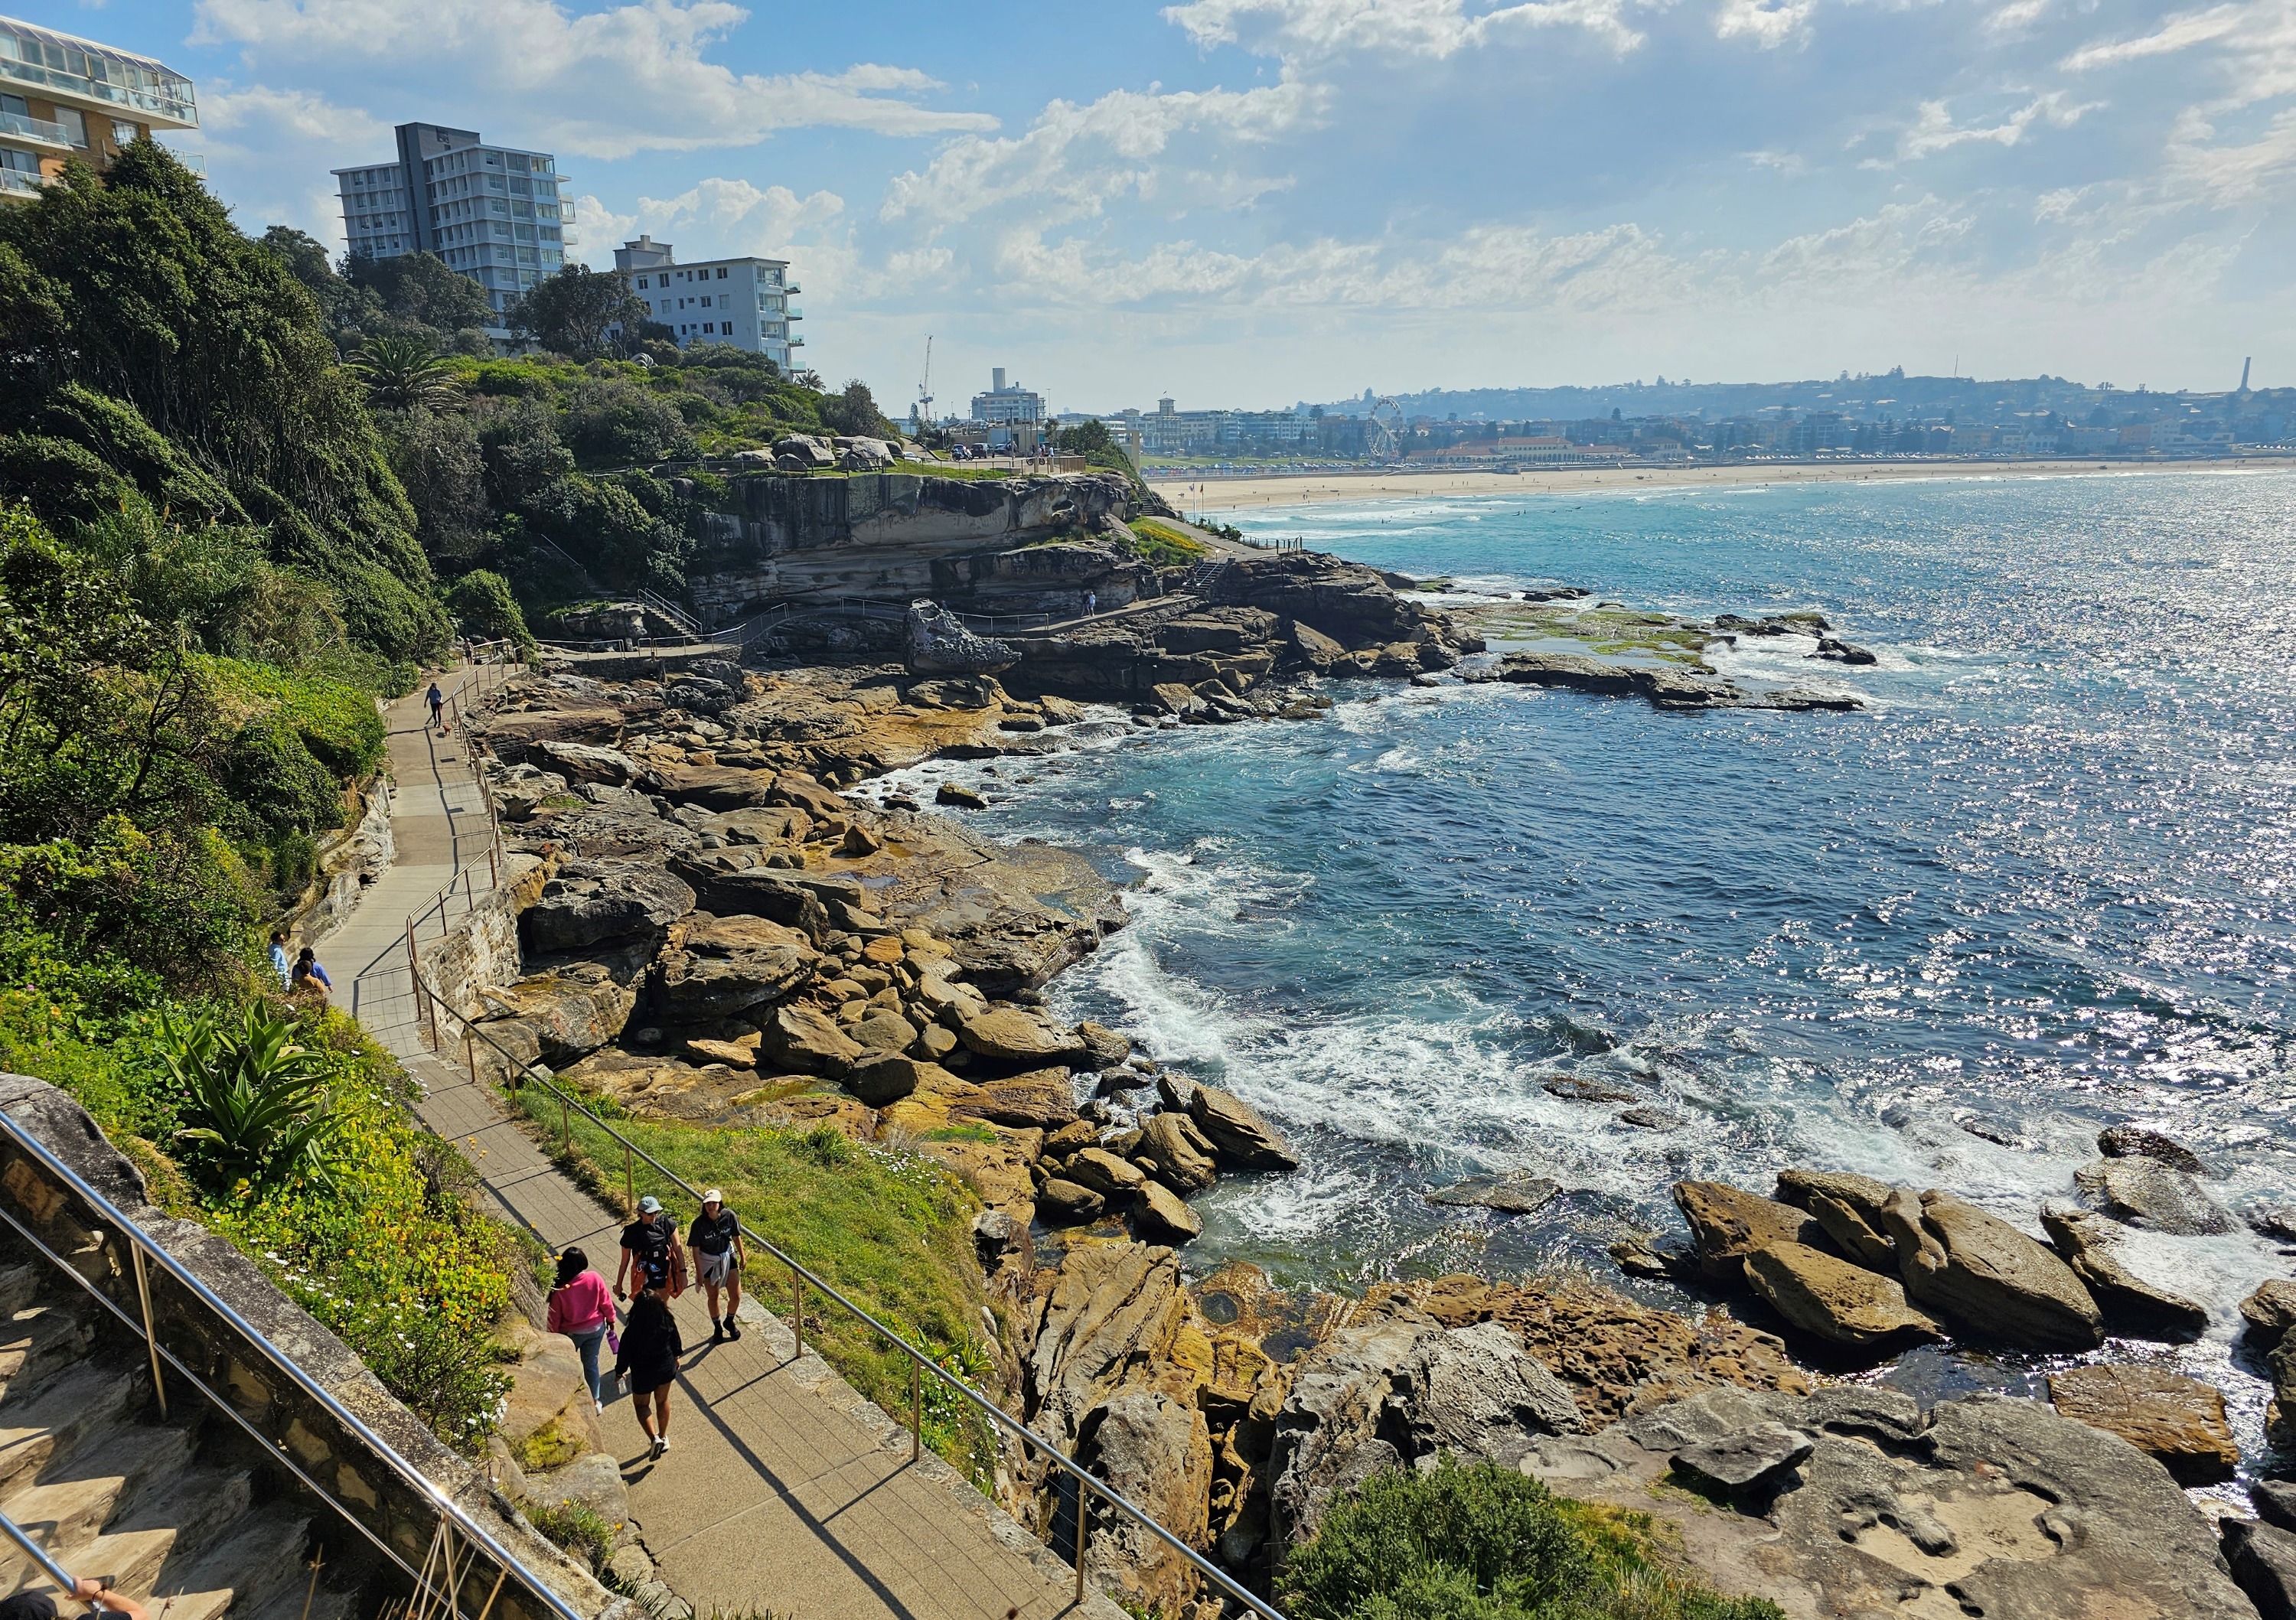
(648, 1358)
(651, 1258)
(715, 1238)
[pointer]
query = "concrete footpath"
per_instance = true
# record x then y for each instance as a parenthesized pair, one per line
(782, 1489)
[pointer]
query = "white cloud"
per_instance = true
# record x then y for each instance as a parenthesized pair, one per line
(1934, 130)
(606, 84)
(1439, 29)
(2017, 16)
(2180, 32)
(1768, 23)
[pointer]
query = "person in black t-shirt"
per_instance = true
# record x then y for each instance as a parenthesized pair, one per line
(650, 1253)
(717, 1239)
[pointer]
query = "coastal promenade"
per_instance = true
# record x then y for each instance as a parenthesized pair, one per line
(782, 1488)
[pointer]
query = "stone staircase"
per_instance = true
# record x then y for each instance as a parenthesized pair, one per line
(179, 1514)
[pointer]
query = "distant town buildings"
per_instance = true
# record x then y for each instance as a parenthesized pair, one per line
(1008, 405)
(63, 97)
(494, 213)
(744, 302)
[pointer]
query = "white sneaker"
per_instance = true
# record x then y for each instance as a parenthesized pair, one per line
(661, 1445)
(601, 1405)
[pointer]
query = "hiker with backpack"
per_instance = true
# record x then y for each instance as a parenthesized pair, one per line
(652, 1256)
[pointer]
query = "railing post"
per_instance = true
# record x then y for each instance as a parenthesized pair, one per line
(1083, 1499)
(565, 1127)
(916, 1410)
(797, 1308)
(150, 1331)
(629, 1183)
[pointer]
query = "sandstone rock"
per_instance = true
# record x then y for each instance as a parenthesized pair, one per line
(937, 644)
(1728, 1223)
(1104, 1048)
(583, 762)
(1110, 1176)
(1160, 1217)
(2148, 1194)
(1849, 1207)
(1063, 1202)
(590, 903)
(1983, 1505)
(883, 1078)
(1174, 697)
(1043, 1099)
(1239, 1136)
(2134, 1142)
(1316, 650)
(568, 1012)
(883, 1031)
(805, 1038)
(1747, 1459)
(2263, 1562)
(963, 797)
(1579, 1088)
(753, 893)
(721, 967)
(2270, 1312)
(712, 787)
(1157, 1451)
(1184, 1156)
(2130, 1303)
(1012, 1035)
(592, 1480)
(1069, 1138)
(2177, 1421)
(732, 1053)
(1650, 1119)
(1833, 1298)
(1112, 1309)
(1518, 1193)
(1987, 1278)
(2275, 1503)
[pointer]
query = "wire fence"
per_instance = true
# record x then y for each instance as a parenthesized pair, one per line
(436, 1016)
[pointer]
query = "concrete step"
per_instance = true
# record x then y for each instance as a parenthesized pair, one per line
(35, 1428)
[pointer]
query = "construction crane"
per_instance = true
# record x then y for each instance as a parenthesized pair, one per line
(924, 386)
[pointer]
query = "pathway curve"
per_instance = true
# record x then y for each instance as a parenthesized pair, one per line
(782, 1488)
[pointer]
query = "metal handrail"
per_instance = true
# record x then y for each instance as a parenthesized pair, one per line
(918, 1359)
(141, 1243)
(39, 1554)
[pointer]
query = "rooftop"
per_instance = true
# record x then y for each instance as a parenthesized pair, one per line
(68, 65)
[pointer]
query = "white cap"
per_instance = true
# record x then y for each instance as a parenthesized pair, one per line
(713, 1196)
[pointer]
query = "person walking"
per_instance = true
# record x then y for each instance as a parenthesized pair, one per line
(279, 962)
(437, 699)
(651, 1256)
(1091, 603)
(648, 1358)
(309, 980)
(582, 1309)
(716, 1237)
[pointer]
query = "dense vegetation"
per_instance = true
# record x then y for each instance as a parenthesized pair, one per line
(1484, 1542)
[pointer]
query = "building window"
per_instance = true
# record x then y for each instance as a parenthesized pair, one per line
(705, 300)
(122, 132)
(642, 282)
(721, 273)
(706, 326)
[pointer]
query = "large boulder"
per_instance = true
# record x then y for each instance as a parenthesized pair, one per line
(588, 902)
(2130, 1303)
(1390, 1395)
(1728, 1223)
(808, 1040)
(567, 1012)
(1043, 1099)
(719, 966)
(1849, 1207)
(2270, 1313)
(2262, 1559)
(1239, 1136)
(1014, 1034)
(1114, 1179)
(1831, 1297)
(1112, 1309)
(2177, 1421)
(756, 893)
(2134, 1142)
(1159, 1216)
(1157, 1452)
(712, 787)
(2147, 1192)
(1183, 1155)
(586, 762)
(1988, 1279)
(1983, 1505)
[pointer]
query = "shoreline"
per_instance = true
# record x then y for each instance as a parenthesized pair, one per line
(1305, 489)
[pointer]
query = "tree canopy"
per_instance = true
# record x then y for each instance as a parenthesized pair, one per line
(574, 311)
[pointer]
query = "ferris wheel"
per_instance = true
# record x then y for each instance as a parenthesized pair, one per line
(1380, 442)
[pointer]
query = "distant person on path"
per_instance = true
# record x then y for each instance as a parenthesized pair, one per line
(716, 1237)
(1091, 603)
(651, 1347)
(437, 699)
(582, 1309)
(310, 979)
(279, 962)
(651, 1256)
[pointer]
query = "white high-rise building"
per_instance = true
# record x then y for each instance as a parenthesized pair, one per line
(742, 301)
(494, 213)
(1008, 405)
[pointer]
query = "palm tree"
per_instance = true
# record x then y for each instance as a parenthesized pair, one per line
(404, 374)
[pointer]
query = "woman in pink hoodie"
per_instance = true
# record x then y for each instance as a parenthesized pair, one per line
(582, 1308)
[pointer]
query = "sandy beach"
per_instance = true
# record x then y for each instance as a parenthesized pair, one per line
(1228, 494)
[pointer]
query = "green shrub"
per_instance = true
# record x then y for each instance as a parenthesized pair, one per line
(253, 1103)
(581, 1530)
(336, 719)
(1484, 1542)
(483, 606)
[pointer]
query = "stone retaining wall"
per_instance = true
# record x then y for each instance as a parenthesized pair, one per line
(358, 1478)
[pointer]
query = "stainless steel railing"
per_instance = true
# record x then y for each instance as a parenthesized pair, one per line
(141, 1247)
(438, 1013)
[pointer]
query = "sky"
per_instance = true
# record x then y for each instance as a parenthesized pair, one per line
(1253, 202)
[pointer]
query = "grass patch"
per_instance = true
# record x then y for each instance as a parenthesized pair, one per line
(891, 1230)
(582, 1531)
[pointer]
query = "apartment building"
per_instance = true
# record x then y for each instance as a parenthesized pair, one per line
(497, 214)
(742, 301)
(1008, 404)
(63, 97)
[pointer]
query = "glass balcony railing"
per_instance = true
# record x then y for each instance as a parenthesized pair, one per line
(15, 182)
(26, 128)
(794, 313)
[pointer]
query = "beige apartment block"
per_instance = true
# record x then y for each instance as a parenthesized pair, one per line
(62, 97)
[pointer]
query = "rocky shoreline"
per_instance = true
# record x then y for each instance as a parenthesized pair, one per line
(726, 935)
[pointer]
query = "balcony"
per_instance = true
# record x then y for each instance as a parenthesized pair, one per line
(791, 291)
(15, 182)
(794, 313)
(39, 131)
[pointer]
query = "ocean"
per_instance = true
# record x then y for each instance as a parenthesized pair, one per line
(2045, 882)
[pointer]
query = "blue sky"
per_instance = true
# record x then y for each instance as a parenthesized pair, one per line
(1257, 202)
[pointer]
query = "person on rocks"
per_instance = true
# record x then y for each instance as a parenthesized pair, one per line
(648, 1358)
(582, 1309)
(437, 699)
(309, 980)
(715, 1239)
(651, 1255)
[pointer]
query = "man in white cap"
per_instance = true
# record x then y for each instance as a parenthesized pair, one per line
(650, 1253)
(716, 1237)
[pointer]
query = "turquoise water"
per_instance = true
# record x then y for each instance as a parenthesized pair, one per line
(2042, 884)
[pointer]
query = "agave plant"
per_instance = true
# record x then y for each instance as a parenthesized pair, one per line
(404, 374)
(255, 1101)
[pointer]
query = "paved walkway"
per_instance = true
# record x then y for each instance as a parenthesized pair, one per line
(782, 1489)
